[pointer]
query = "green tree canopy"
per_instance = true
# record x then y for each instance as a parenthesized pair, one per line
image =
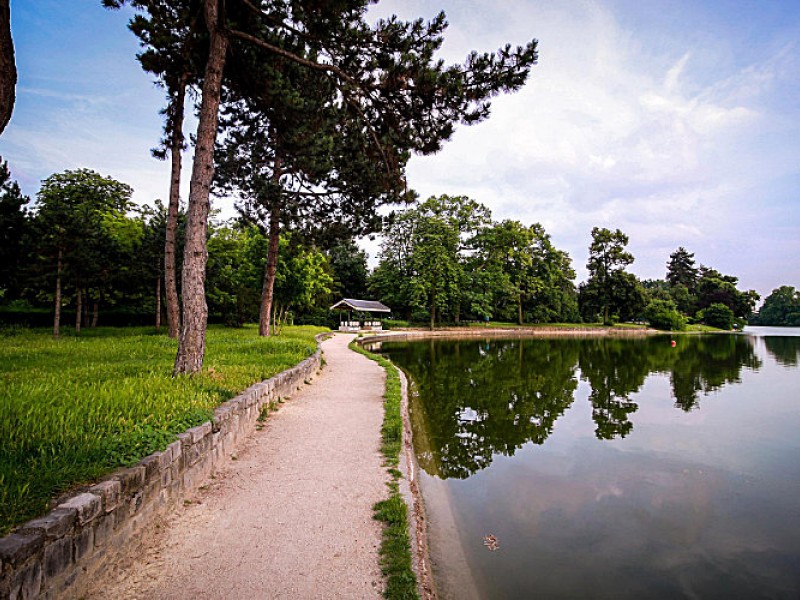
(80, 217)
(781, 307)
(15, 230)
(610, 289)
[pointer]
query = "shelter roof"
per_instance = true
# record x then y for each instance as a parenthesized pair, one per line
(361, 305)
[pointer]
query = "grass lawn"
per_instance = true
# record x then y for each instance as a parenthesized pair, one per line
(74, 409)
(700, 328)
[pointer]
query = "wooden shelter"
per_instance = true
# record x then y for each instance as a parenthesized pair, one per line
(351, 305)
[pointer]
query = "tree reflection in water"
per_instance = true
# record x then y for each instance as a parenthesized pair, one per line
(475, 399)
(785, 350)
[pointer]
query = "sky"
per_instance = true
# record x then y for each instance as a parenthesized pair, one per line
(677, 122)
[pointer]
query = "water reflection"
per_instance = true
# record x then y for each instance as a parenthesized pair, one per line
(785, 350)
(476, 399)
(470, 412)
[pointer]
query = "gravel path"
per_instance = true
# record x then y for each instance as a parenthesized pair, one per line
(291, 516)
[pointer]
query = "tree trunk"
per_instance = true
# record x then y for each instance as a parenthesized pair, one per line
(176, 148)
(433, 308)
(57, 317)
(8, 67)
(192, 345)
(95, 313)
(268, 289)
(519, 309)
(158, 303)
(78, 310)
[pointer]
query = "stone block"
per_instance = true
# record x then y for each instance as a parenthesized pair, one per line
(16, 548)
(57, 523)
(110, 492)
(132, 480)
(151, 467)
(166, 477)
(103, 529)
(165, 458)
(27, 582)
(88, 506)
(195, 477)
(57, 557)
(82, 543)
(175, 450)
(185, 439)
(192, 454)
(200, 432)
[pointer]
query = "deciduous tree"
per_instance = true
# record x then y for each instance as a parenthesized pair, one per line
(76, 215)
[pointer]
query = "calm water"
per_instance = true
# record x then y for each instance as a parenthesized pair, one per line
(611, 468)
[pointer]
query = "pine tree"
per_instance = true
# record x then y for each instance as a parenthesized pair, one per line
(388, 85)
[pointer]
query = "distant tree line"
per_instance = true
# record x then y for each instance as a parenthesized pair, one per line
(445, 260)
(84, 246)
(780, 308)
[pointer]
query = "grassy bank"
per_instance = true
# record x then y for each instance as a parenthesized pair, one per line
(401, 583)
(74, 409)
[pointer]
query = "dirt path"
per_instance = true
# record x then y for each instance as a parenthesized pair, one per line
(291, 517)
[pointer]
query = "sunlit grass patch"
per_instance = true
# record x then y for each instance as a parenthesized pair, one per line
(76, 408)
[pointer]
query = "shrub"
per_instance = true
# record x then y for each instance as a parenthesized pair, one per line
(717, 315)
(662, 314)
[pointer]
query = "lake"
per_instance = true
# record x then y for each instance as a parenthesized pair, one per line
(610, 467)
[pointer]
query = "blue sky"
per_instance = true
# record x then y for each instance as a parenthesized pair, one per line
(678, 122)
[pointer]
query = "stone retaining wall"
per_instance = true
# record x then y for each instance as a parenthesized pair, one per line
(55, 556)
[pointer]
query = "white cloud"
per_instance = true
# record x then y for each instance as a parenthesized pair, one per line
(607, 134)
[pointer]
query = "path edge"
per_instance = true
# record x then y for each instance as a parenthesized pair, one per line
(409, 491)
(59, 554)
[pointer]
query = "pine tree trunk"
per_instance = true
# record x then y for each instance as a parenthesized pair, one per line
(95, 313)
(176, 148)
(268, 289)
(158, 303)
(8, 67)
(57, 316)
(78, 310)
(191, 348)
(519, 309)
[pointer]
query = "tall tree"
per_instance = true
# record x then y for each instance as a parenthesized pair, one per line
(75, 215)
(15, 225)
(349, 265)
(404, 99)
(682, 275)
(607, 261)
(171, 37)
(681, 269)
(8, 66)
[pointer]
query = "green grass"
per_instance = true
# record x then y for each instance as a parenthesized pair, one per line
(700, 328)
(71, 410)
(395, 551)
